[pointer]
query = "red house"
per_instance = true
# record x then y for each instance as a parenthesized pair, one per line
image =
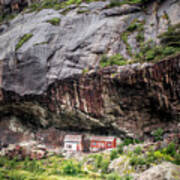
(98, 143)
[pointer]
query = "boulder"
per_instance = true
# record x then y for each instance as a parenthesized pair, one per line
(121, 166)
(163, 171)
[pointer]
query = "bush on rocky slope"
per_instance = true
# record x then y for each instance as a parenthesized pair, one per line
(112, 60)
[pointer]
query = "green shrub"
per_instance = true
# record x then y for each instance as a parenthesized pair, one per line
(120, 148)
(16, 176)
(171, 149)
(134, 161)
(138, 150)
(112, 60)
(23, 39)
(113, 154)
(128, 141)
(158, 134)
(169, 51)
(105, 165)
(101, 163)
(140, 37)
(54, 21)
(132, 27)
(33, 166)
(71, 168)
(137, 141)
(3, 161)
(127, 177)
(98, 160)
(69, 2)
(177, 159)
(113, 176)
(11, 164)
(150, 54)
(158, 156)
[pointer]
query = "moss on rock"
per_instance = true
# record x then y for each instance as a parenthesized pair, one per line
(23, 40)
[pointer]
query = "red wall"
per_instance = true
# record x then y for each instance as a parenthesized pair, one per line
(103, 144)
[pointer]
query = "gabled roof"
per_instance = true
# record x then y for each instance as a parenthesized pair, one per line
(102, 138)
(73, 138)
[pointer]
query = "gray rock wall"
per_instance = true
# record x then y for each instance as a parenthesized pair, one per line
(41, 82)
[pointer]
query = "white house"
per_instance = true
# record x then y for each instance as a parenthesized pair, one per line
(73, 143)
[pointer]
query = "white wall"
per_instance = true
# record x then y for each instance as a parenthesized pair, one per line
(73, 148)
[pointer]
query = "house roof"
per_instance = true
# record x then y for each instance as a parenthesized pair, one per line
(73, 138)
(102, 138)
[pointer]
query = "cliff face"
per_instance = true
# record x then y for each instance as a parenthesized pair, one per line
(134, 99)
(41, 69)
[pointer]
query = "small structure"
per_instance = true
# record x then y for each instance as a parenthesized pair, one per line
(73, 143)
(98, 143)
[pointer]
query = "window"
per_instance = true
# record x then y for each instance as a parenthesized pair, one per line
(109, 144)
(69, 146)
(94, 143)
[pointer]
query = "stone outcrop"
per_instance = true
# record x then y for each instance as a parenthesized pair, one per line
(42, 81)
(163, 171)
(109, 100)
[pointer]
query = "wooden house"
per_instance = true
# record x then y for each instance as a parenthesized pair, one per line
(73, 143)
(98, 143)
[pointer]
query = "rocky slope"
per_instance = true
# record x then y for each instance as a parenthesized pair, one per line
(50, 71)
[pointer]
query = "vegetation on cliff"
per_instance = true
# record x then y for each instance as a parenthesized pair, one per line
(23, 40)
(55, 4)
(149, 51)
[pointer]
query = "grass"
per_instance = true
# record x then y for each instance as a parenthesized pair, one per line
(115, 176)
(54, 21)
(23, 40)
(54, 167)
